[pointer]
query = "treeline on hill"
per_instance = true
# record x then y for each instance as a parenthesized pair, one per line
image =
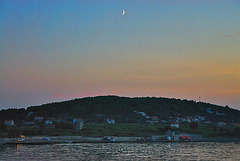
(122, 109)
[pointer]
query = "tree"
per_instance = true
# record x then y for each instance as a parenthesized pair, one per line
(193, 125)
(62, 125)
(3, 127)
(13, 133)
(166, 128)
(29, 132)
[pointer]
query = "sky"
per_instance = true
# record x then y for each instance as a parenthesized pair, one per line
(56, 50)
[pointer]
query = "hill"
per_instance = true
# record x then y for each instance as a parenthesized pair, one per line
(125, 110)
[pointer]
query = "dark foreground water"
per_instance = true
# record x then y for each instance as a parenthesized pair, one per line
(123, 151)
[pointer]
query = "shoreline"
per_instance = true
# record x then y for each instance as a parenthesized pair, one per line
(79, 139)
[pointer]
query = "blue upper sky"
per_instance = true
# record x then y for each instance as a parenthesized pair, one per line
(53, 50)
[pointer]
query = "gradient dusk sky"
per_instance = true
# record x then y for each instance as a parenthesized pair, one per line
(55, 50)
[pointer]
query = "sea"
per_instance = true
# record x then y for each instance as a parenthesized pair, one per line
(122, 151)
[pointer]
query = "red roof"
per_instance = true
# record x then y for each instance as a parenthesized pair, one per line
(8, 120)
(185, 137)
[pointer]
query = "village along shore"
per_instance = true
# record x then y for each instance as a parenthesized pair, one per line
(38, 140)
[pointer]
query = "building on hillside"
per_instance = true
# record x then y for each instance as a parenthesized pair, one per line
(29, 123)
(142, 113)
(30, 113)
(195, 120)
(48, 122)
(163, 121)
(150, 121)
(221, 124)
(219, 114)
(147, 117)
(155, 119)
(78, 123)
(9, 122)
(38, 118)
(209, 110)
(183, 120)
(201, 118)
(176, 136)
(110, 121)
(207, 122)
(175, 125)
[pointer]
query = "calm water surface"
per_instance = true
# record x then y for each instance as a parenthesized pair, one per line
(123, 151)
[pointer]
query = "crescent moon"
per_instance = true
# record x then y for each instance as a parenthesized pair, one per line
(123, 12)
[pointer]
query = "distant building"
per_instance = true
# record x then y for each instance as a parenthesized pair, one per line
(30, 113)
(163, 121)
(57, 121)
(78, 123)
(202, 118)
(29, 123)
(48, 122)
(195, 120)
(209, 111)
(150, 121)
(38, 118)
(183, 120)
(207, 122)
(175, 125)
(142, 113)
(110, 121)
(176, 136)
(189, 120)
(147, 117)
(168, 133)
(155, 119)
(219, 114)
(9, 122)
(221, 124)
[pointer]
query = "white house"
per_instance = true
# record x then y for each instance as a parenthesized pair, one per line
(150, 121)
(30, 113)
(29, 123)
(209, 111)
(110, 121)
(48, 122)
(219, 114)
(142, 113)
(195, 120)
(163, 121)
(38, 118)
(175, 125)
(207, 122)
(183, 119)
(155, 119)
(147, 117)
(78, 123)
(202, 118)
(9, 122)
(222, 124)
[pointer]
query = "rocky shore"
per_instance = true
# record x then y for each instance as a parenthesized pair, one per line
(79, 139)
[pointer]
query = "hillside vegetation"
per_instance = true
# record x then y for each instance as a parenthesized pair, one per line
(122, 109)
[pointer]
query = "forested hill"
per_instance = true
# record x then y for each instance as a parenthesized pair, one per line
(123, 109)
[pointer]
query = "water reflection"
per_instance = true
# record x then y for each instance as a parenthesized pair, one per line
(124, 151)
